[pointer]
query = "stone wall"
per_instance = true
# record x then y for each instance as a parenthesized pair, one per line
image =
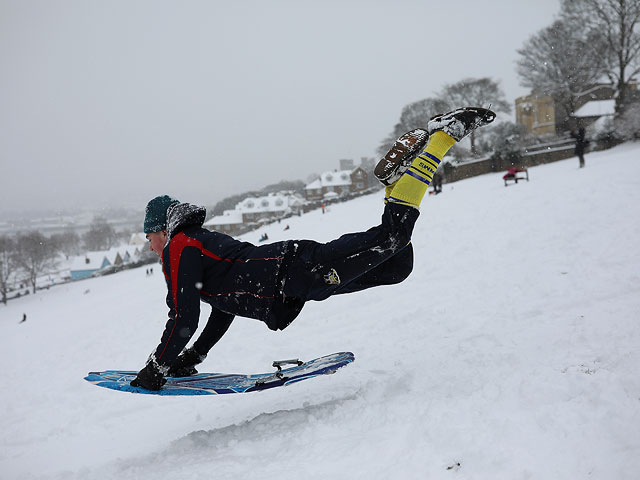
(530, 157)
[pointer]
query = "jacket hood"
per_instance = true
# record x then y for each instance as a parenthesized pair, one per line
(183, 215)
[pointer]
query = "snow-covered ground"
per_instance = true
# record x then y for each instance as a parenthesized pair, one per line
(511, 352)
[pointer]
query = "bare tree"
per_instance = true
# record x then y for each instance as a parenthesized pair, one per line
(67, 242)
(101, 235)
(414, 115)
(35, 255)
(615, 24)
(468, 92)
(7, 264)
(417, 114)
(562, 62)
(478, 92)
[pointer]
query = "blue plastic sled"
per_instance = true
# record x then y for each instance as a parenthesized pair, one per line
(221, 383)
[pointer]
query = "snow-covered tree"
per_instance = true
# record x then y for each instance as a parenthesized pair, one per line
(505, 139)
(562, 62)
(477, 92)
(614, 24)
(627, 125)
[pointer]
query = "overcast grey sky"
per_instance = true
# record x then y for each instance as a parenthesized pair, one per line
(111, 103)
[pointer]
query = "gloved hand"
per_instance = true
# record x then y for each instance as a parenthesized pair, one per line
(150, 377)
(184, 365)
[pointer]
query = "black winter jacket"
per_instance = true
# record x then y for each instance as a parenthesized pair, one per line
(235, 278)
(581, 141)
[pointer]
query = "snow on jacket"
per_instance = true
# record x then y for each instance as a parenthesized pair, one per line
(234, 277)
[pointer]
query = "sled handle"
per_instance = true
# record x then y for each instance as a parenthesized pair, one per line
(279, 375)
(280, 363)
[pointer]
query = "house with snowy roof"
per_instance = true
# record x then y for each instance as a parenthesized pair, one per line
(114, 256)
(595, 109)
(541, 114)
(336, 183)
(83, 266)
(91, 263)
(230, 222)
(256, 210)
(131, 253)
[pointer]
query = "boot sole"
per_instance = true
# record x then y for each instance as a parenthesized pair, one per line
(403, 151)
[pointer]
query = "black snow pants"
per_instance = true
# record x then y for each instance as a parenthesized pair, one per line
(382, 255)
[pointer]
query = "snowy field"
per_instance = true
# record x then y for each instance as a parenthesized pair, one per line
(511, 352)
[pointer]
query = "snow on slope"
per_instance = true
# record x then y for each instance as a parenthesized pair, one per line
(510, 352)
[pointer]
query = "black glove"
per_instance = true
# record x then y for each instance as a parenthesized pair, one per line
(150, 377)
(184, 365)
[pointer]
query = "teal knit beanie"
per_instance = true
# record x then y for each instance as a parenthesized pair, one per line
(155, 215)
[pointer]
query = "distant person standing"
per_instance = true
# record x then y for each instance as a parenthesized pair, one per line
(437, 183)
(581, 144)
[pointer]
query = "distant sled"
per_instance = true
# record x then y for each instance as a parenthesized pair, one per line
(222, 383)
